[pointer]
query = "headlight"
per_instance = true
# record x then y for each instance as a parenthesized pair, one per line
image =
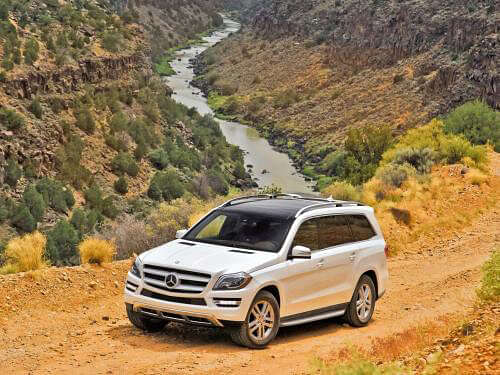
(136, 268)
(233, 281)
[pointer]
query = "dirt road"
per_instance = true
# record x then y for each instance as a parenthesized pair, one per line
(72, 320)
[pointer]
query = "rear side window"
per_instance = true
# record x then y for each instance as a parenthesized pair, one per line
(307, 235)
(361, 228)
(333, 231)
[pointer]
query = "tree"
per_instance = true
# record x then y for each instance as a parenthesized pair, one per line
(34, 202)
(121, 185)
(12, 172)
(22, 219)
(61, 243)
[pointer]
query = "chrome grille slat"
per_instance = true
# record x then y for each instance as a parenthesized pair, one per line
(181, 286)
(189, 281)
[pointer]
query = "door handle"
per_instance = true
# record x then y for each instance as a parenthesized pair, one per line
(320, 264)
(352, 257)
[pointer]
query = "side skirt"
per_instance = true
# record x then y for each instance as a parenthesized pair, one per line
(312, 316)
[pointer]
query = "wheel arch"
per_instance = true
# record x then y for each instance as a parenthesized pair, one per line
(372, 275)
(274, 290)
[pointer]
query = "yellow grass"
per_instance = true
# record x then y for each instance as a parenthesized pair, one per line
(25, 253)
(96, 250)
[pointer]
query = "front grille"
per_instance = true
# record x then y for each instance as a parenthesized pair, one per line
(190, 282)
(163, 297)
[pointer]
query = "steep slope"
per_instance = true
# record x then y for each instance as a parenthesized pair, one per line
(83, 111)
(315, 68)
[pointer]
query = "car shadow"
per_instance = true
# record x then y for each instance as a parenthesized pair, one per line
(176, 336)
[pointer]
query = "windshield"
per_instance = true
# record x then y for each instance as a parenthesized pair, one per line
(241, 230)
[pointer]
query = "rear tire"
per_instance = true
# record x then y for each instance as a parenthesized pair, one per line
(143, 322)
(261, 324)
(360, 310)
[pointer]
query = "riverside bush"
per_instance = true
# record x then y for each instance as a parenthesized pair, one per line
(96, 251)
(25, 253)
(478, 122)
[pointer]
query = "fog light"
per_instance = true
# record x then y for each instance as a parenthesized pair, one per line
(227, 302)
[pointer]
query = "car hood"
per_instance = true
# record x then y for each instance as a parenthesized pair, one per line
(208, 258)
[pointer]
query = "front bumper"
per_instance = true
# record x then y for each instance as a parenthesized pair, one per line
(206, 313)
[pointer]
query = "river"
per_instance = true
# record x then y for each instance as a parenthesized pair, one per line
(258, 152)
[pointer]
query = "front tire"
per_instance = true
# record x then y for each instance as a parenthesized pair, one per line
(261, 324)
(360, 310)
(143, 322)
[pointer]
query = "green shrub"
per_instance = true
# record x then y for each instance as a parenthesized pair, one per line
(108, 207)
(121, 185)
(69, 162)
(56, 104)
(115, 143)
(34, 202)
(11, 119)
(217, 182)
(62, 241)
(36, 108)
(447, 148)
(420, 159)
(22, 219)
(239, 171)
(342, 190)
(490, 283)
(12, 173)
(124, 163)
(140, 151)
(159, 159)
(394, 174)
(478, 122)
(55, 194)
(85, 120)
(118, 122)
(31, 51)
(166, 185)
(286, 98)
(112, 41)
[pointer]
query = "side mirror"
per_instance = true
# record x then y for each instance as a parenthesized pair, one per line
(180, 233)
(301, 252)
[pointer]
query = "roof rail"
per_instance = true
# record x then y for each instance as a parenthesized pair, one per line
(270, 196)
(326, 205)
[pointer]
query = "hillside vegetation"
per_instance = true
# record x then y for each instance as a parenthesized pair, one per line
(88, 131)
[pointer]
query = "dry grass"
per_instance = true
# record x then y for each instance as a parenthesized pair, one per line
(25, 253)
(96, 250)
(424, 209)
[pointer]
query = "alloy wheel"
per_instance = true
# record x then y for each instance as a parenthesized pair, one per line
(261, 321)
(364, 303)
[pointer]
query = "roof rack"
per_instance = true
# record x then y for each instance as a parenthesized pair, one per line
(259, 197)
(326, 205)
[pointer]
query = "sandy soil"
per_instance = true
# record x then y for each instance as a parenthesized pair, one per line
(73, 320)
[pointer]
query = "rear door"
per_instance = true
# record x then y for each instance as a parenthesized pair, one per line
(338, 254)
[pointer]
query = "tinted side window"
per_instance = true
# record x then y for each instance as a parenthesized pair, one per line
(333, 231)
(361, 227)
(307, 235)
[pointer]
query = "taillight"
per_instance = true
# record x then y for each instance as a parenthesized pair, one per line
(386, 250)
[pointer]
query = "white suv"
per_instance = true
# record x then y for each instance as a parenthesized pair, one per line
(262, 262)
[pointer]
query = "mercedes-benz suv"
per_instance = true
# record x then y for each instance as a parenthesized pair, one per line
(259, 263)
